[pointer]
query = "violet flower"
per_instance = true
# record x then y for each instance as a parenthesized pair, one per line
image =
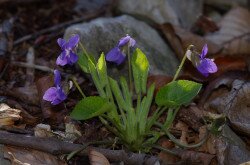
(203, 65)
(55, 94)
(67, 56)
(117, 54)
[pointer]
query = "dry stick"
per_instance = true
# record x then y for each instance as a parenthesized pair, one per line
(56, 147)
(57, 27)
(27, 65)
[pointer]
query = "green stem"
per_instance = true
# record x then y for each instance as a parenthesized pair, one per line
(176, 141)
(129, 72)
(182, 63)
(83, 49)
(78, 87)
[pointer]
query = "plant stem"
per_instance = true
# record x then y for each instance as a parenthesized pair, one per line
(78, 87)
(129, 72)
(83, 49)
(182, 63)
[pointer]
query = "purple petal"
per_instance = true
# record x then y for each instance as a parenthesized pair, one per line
(57, 77)
(56, 101)
(50, 94)
(123, 41)
(61, 42)
(73, 58)
(60, 93)
(204, 51)
(132, 42)
(73, 41)
(120, 59)
(115, 55)
(61, 61)
(207, 66)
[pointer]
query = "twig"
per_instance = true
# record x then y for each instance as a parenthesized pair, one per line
(57, 27)
(27, 65)
(55, 146)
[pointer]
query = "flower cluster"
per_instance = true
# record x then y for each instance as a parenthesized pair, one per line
(117, 54)
(56, 94)
(203, 65)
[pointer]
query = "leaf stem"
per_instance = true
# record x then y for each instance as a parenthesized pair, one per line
(182, 63)
(78, 87)
(129, 71)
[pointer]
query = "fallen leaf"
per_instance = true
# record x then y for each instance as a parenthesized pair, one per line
(204, 24)
(234, 33)
(8, 115)
(97, 158)
(246, 163)
(21, 156)
(235, 105)
(167, 157)
(196, 157)
(174, 41)
(184, 131)
(188, 38)
(209, 145)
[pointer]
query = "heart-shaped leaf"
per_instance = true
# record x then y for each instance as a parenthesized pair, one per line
(90, 107)
(177, 93)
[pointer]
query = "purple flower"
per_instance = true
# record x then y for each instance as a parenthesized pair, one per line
(55, 94)
(117, 54)
(67, 56)
(203, 65)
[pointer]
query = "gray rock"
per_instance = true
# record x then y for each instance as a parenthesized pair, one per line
(230, 149)
(102, 34)
(177, 12)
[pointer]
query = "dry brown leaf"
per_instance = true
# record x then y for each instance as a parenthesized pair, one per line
(209, 145)
(8, 115)
(205, 24)
(97, 158)
(246, 163)
(21, 156)
(196, 157)
(184, 131)
(235, 105)
(188, 38)
(167, 157)
(234, 33)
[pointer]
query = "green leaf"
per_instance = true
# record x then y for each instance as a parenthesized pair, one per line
(90, 107)
(83, 61)
(102, 70)
(177, 93)
(140, 68)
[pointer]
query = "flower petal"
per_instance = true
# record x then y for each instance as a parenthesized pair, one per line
(113, 54)
(73, 41)
(207, 66)
(61, 42)
(120, 59)
(60, 93)
(56, 101)
(204, 51)
(50, 94)
(61, 61)
(57, 77)
(73, 57)
(132, 42)
(123, 41)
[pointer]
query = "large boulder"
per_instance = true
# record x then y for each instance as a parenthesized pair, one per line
(102, 34)
(177, 12)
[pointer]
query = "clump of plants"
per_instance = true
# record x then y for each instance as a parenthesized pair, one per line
(127, 118)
